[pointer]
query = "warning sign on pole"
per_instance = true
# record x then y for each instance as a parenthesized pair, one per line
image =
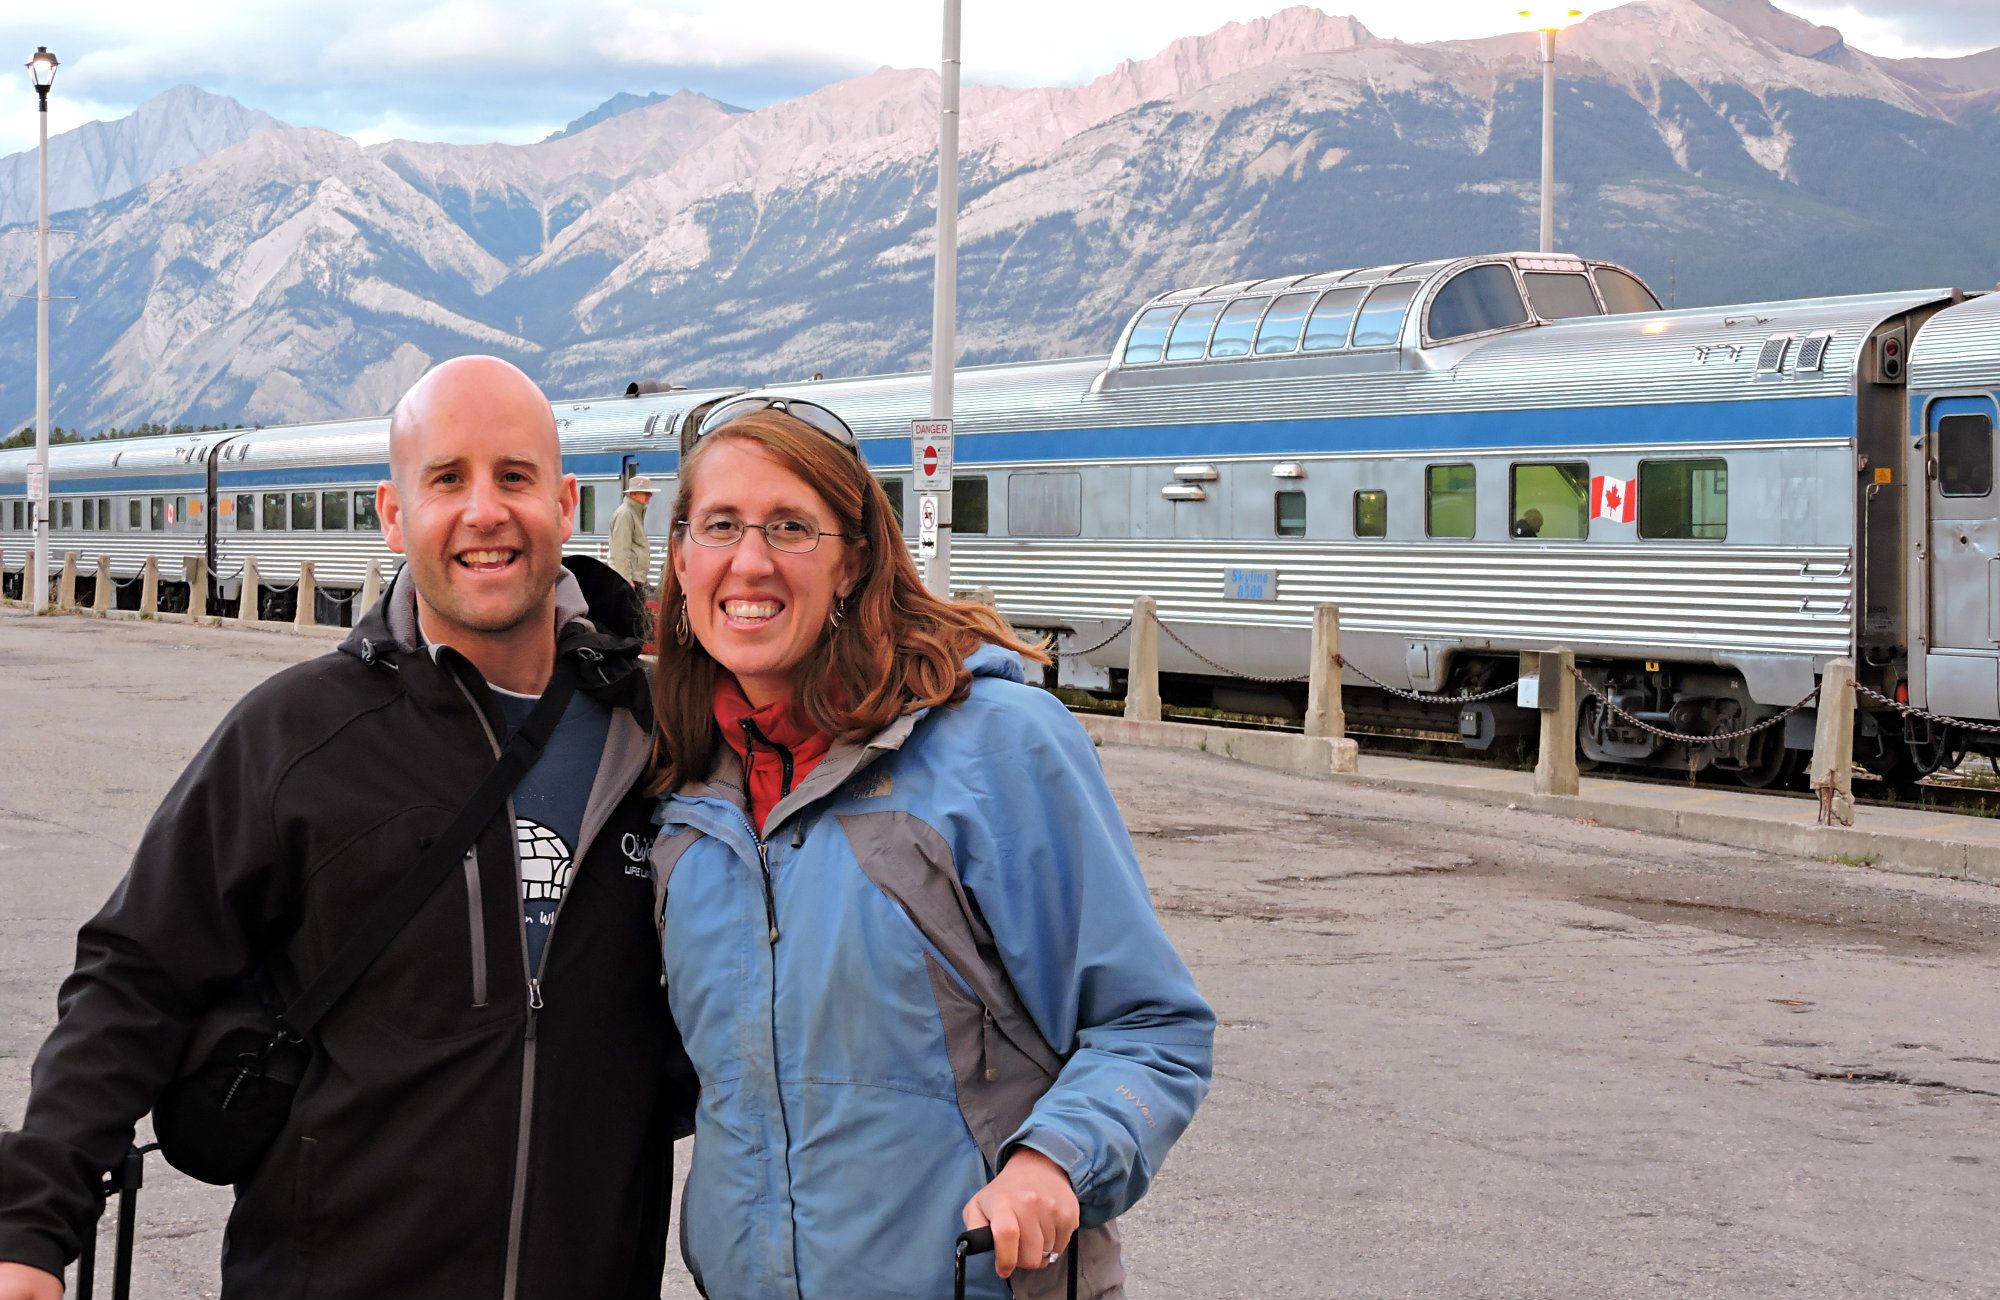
(930, 454)
(927, 525)
(38, 483)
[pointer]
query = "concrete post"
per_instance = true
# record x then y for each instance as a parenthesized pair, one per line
(371, 590)
(105, 595)
(308, 590)
(194, 570)
(1555, 768)
(66, 585)
(1142, 676)
(149, 589)
(984, 596)
(1833, 745)
(246, 605)
(1325, 716)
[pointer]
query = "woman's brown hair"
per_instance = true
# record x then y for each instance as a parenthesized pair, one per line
(898, 649)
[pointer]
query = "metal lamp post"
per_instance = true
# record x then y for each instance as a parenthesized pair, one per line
(1547, 22)
(944, 304)
(42, 67)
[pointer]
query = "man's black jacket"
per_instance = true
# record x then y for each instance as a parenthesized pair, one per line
(461, 1132)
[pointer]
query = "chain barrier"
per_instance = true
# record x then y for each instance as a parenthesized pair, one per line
(117, 581)
(1077, 654)
(1912, 711)
(1224, 668)
(326, 594)
(1681, 737)
(1419, 697)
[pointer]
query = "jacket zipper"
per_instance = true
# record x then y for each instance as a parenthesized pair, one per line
(750, 738)
(524, 1124)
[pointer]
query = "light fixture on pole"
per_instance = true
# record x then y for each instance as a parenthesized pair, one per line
(41, 67)
(1548, 20)
(931, 440)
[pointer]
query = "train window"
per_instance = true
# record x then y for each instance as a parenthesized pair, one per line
(1551, 502)
(1684, 500)
(65, 514)
(1560, 295)
(88, 511)
(1371, 513)
(1149, 336)
(1380, 321)
(333, 510)
(1045, 504)
(132, 508)
(1328, 327)
(1280, 330)
(893, 489)
(104, 520)
(1288, 514)
(156, 514)
(274, 512)
(968, 503)
(1478, 299)
(586, 508)
(1622, 293)
(179, 513)
(246, 512)
(1965, 455)
(365, 518)
(304, 511)
(1190, 337)
(1450, 498)
(1232, 333)
(15, 516)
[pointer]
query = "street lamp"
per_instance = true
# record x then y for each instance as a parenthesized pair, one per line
(41, 67)
(1548, 20)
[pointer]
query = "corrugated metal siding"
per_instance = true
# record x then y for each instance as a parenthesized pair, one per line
(1959, 347)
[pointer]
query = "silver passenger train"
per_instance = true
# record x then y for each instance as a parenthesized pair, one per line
(1471, 457)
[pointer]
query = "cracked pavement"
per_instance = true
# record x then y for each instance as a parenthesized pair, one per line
(1464, 1051)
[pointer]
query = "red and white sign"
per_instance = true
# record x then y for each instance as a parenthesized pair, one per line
(1616, 499)
(930, 454)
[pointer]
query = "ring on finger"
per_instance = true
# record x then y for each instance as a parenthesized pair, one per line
(1050, 1257)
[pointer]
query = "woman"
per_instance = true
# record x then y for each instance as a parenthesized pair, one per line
(906, 937)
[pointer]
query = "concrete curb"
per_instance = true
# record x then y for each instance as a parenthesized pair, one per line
(1904, 854)
(1281, 750)
(194, 620)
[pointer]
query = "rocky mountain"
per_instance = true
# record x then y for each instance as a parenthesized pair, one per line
(1725, 149)
(102, 160)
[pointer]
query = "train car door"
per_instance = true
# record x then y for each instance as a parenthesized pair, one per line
(1962, 661)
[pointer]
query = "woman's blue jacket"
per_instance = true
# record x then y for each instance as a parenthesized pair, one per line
(940, 949)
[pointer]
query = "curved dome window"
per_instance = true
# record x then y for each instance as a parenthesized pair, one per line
(1189, 340)
(1331, 319)
(1280, 331)
(1560, 295)
(1477, 299)
(1149, 336)
(1622, 293)
(1380, 322)
(1236, 328)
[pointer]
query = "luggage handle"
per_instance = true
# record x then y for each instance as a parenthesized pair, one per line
(979, 1241)
(123, 1184)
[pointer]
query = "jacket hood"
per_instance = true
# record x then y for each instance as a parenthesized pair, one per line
(990, 660)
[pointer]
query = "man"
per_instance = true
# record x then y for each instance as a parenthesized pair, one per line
(1529, 524)
(489, 1111)
(631, 551)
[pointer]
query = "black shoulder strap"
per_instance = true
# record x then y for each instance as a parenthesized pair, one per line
(394, 909)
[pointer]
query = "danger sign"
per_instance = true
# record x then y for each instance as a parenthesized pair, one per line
(930, 454)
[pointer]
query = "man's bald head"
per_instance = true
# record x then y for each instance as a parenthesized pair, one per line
(478, 390)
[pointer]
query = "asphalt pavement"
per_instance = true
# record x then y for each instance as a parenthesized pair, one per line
(1464, 1050)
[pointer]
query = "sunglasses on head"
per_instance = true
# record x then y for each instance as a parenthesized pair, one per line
(810, 413)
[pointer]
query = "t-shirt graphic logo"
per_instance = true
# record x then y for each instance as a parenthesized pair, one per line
(545, 862)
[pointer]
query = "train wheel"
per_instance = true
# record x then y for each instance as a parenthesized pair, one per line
(1776, 767)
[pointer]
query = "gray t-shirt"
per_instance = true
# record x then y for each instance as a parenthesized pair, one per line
(548, 807)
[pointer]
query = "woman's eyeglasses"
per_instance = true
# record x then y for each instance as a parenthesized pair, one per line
(811, 413)
(793, 536)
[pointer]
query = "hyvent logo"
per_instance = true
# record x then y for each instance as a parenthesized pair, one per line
(871, 785)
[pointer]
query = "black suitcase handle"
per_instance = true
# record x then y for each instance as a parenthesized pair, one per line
(123, 1184)
(979, 1241)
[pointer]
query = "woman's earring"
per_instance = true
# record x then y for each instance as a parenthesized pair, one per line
(837, 615)
(681, 631)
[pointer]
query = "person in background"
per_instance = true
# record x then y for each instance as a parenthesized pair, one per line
(907, 939)
(1529, 524)
(631, 550)
(490, 1109)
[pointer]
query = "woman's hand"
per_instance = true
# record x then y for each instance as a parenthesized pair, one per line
(1031, 1208)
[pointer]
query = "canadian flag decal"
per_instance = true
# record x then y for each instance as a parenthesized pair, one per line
(1616, 499)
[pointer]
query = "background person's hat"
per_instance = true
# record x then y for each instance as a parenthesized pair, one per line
(638, 483)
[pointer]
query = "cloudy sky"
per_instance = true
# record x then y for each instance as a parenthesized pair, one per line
(514, 70)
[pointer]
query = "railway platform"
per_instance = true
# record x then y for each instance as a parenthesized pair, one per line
(1465, 1049)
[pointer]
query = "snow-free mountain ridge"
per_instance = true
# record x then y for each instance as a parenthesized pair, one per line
(1726, 149)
